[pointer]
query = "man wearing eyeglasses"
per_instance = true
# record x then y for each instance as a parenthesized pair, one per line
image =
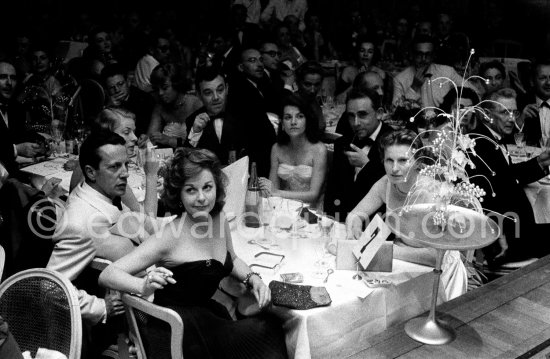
(357, 163)
(158, 53)
(503, 182)
(412, 85)
(121, 94)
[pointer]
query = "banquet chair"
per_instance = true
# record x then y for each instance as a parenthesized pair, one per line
(42, 310)
(2, 260)
(140, 312)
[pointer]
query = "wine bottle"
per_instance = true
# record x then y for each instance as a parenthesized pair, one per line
(253, 200)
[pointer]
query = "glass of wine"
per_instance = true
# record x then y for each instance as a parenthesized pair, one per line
(519, 138)
(266, 214)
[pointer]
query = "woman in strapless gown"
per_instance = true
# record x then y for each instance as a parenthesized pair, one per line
(298, 159)
(392, 190)
(191, 256)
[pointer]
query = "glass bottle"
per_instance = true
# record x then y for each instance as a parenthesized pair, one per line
(253, 200)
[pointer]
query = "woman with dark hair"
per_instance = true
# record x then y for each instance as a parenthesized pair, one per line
(192, 256)
(456, 101)
(298, 159)
(367, 55)
(403, 156)
(173, 107)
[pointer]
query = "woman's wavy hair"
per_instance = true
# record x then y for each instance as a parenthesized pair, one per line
(108, 117)
(186, 164)
(312, 127)
(172, 72)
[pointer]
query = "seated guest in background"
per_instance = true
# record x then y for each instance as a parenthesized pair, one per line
(190, 264)
(309, 77)
(167, 127)
(367, 55)
(211, 127)
(495, 73)
(298, 159)
(121, 94)
(122, 123)
(535, 116)
(100, 47)
(249, 104)
(391, 190)
(453, 103)
(411, 85)
(158, 53)
(503, 182)
(289, 53)
(279, 9)
(21, 142)
(356, 165)
(94, 223)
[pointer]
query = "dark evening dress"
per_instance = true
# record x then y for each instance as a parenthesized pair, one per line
(209, 330)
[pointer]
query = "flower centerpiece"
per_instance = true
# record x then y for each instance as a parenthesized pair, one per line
(446, 156)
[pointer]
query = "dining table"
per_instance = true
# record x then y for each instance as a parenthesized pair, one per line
(356, 311)
(537, 192)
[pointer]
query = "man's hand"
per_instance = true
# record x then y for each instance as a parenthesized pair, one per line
(529, 111)
(28, 149)
(200, 122)
(113, 303)
(357, 157)
(52, 189)
(161, 139)
(142, 140)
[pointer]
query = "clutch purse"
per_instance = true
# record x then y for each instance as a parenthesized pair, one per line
(298, 296)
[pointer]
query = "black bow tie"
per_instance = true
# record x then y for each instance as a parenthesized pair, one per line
(117, 202)
(364, 142)
(544, 104)
(219, 115)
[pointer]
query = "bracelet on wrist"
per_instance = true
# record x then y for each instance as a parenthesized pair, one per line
(246, 280)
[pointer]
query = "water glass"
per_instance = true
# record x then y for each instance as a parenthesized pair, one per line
(519, 138)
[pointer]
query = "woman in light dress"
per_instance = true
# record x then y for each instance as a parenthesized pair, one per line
(392, 190)
(298, 159)
(174, 105)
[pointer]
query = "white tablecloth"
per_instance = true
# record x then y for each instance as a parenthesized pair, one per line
(537, 192)
(356, 312)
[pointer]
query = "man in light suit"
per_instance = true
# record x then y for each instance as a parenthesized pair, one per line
(94, 223)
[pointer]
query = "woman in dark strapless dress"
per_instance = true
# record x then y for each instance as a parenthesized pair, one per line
(192, 255)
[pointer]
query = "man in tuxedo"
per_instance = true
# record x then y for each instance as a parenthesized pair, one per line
(357, 163)
(535, 116)
(211, 127)
(503, 182)
(249, 104)
(14, 140)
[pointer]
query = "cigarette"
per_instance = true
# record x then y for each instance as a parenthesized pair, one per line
(153, 147)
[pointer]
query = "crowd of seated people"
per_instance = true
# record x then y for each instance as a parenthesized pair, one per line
(254, 87)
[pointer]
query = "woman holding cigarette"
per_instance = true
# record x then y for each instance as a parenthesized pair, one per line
(192, 256)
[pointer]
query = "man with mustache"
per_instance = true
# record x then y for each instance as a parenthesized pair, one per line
(211, 127)
(535, 117)
(95, 223)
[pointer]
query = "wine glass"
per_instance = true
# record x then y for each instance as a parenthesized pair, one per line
(519, 138)
(266, 214)
(57, 130)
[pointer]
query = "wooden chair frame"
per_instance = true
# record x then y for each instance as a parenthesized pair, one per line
(72, 296)
(164, 314)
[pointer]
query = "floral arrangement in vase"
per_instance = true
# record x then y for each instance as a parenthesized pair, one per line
(445, 158)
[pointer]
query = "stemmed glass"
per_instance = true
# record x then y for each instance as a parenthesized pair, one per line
(519, 138)
(57, 130)
(322, 264)
(266, 214)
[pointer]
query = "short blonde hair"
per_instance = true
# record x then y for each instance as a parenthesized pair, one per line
(108, 117)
